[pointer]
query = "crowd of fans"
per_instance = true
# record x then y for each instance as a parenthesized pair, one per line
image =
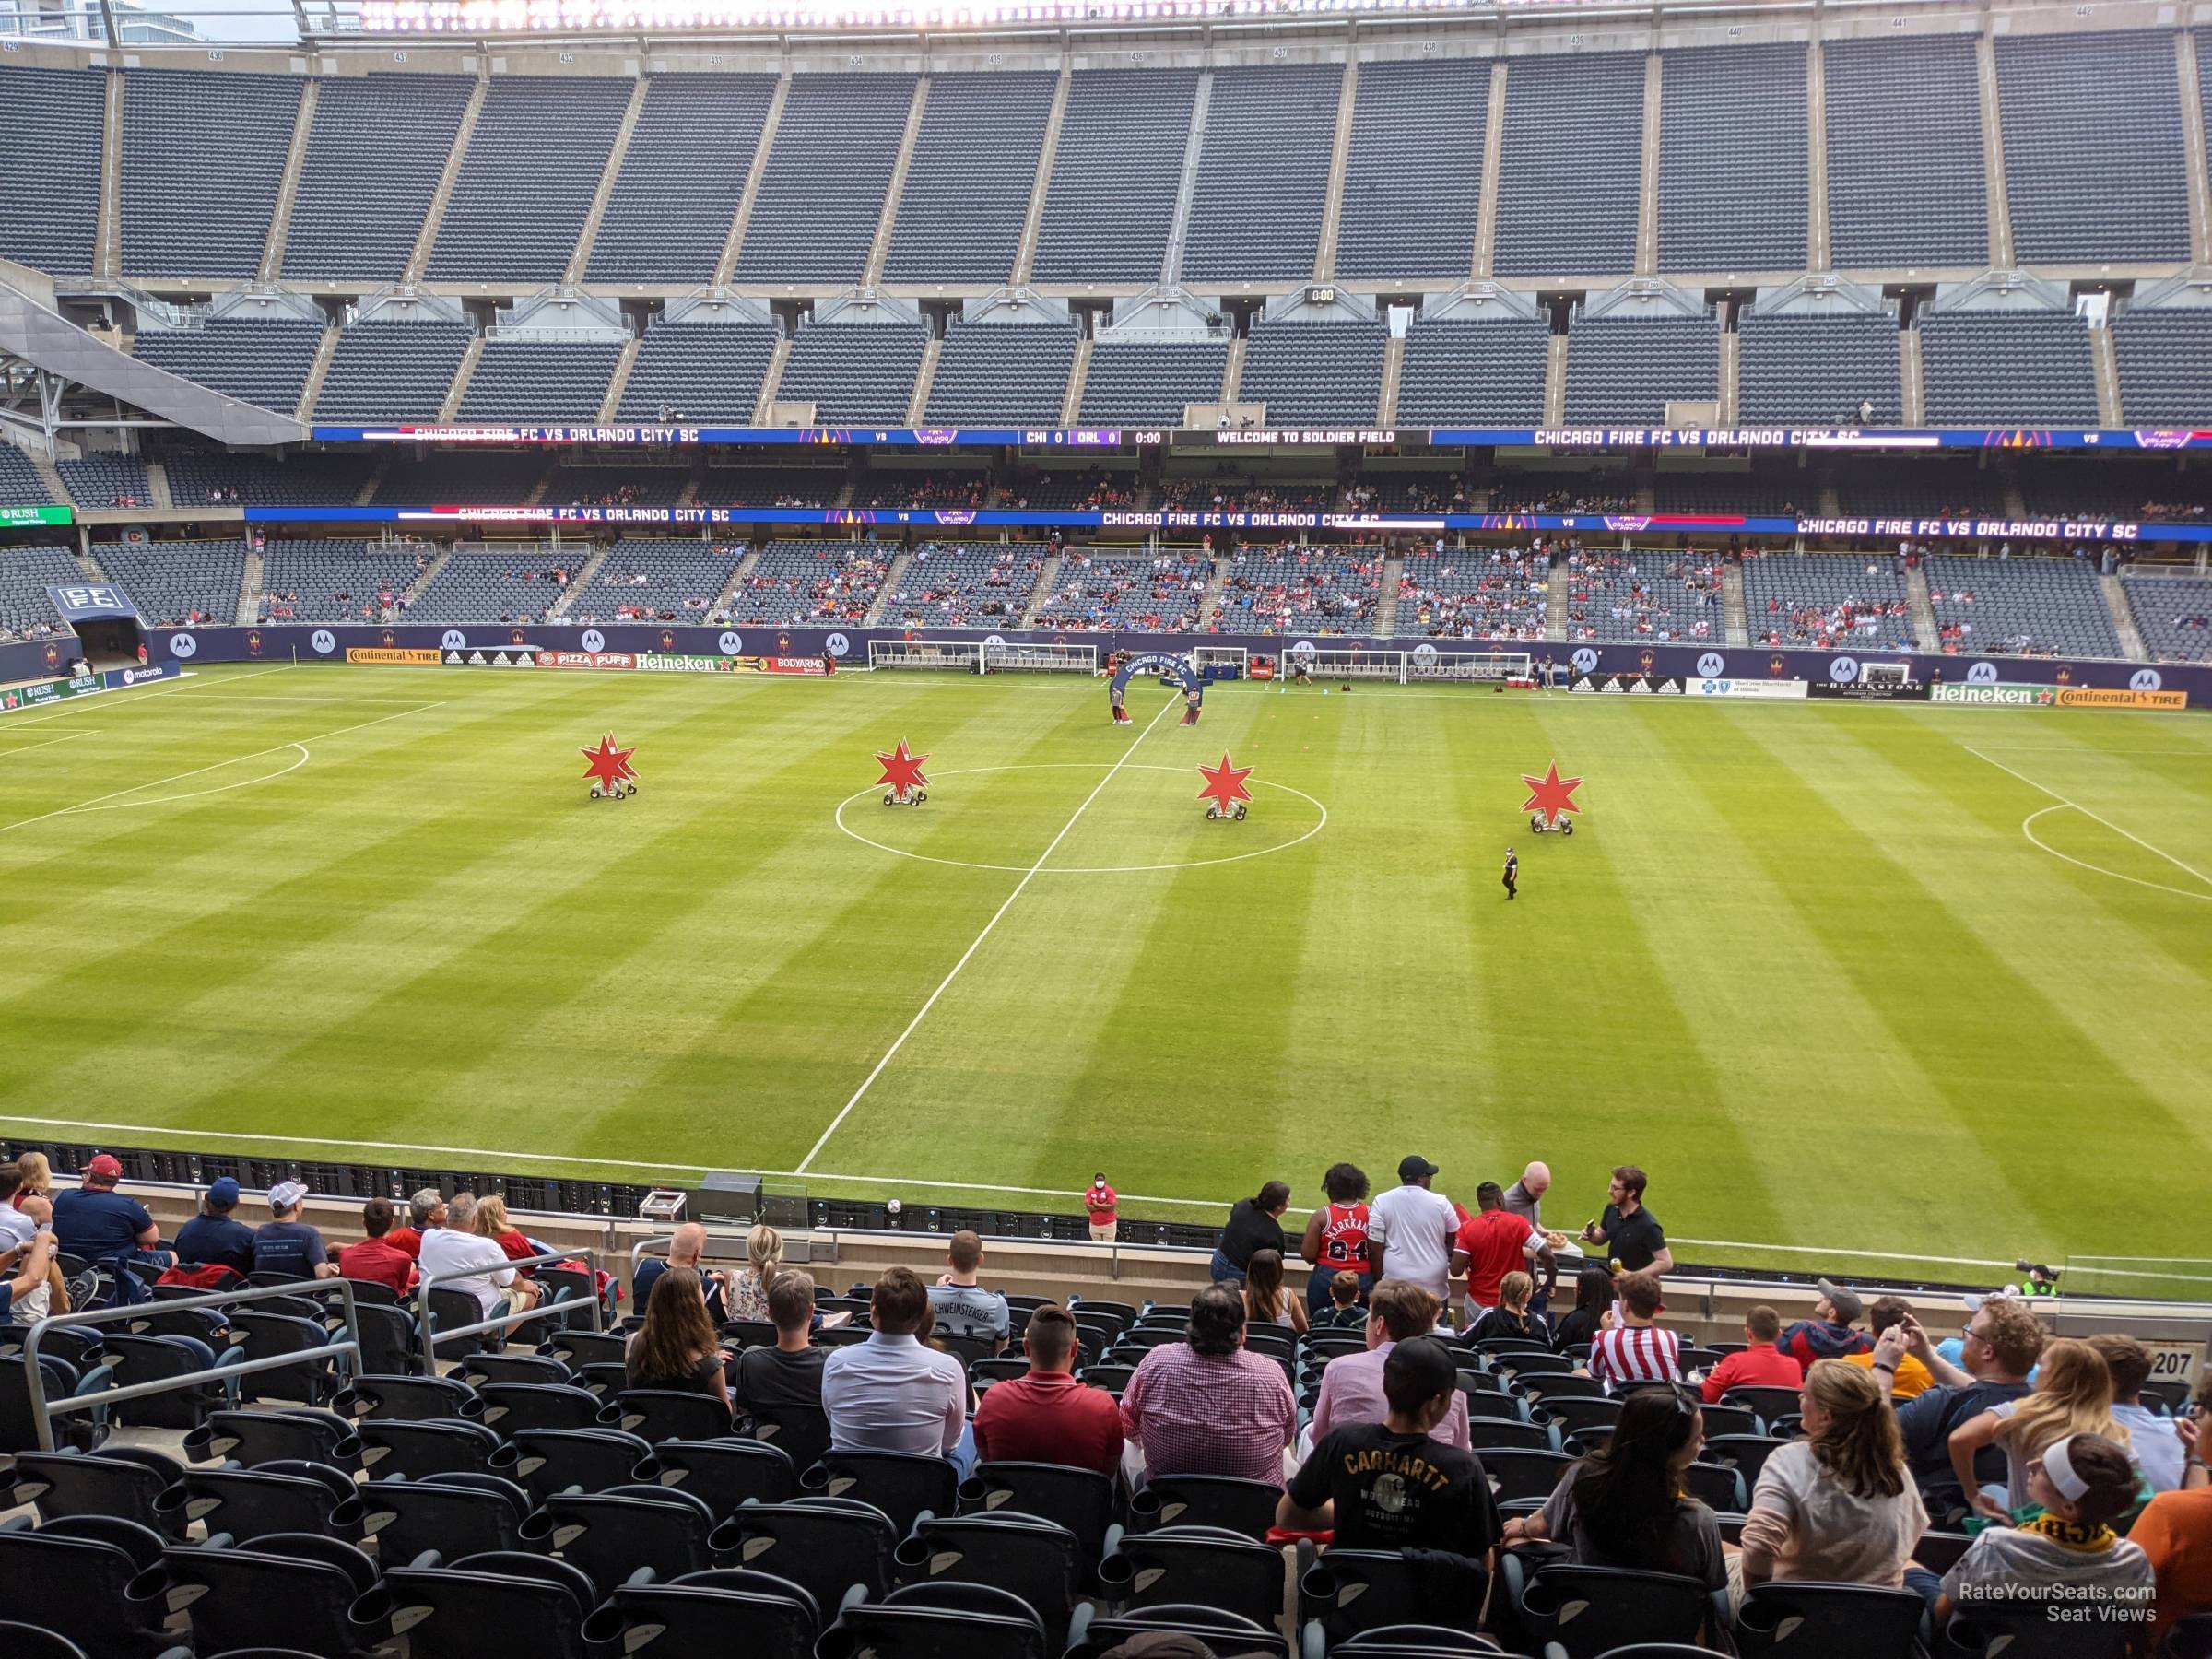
(1880, 1439)
(1501, 594)
(1645, 596)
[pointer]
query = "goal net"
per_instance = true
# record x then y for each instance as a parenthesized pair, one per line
(1000, 657)
(963, 655)
(1485, 666)
(1886, 673)
(1234, 658)
(1343, 663)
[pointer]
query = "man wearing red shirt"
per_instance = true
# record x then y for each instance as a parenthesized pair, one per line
(426, 1209)
(1048, 1417)
(1099, 1205)
(1761, 1365)
(1491, 1243)
(375, 1259)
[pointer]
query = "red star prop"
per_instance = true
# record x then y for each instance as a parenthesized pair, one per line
(1225, 783)
(1550, 793)
(609, 764)
(903, 767)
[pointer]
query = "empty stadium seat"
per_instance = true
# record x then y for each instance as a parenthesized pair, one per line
(1623, 369)
(1315, 373)
(1480, 373)
(974, 168)
(699, 372)
(1143, 383)
(675, 197)
(821, 199)
(203, 157)
(1413, 178)
(1818, 368)
(2007, 368)
(540, 379)
(49, 155)
(391, 371)
(1110, 202)
(1731, 158)
(2021, 606)
(374, 156)
(1905, 178)
(2173, 616)
(525, 186)
(1263, 180)
(855, 374)
(1005, 372)
(1570, 171)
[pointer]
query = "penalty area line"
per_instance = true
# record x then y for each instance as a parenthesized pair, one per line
(807, 1163)
(2078, 806)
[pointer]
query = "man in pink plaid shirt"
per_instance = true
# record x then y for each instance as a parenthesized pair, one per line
(1209, 1405)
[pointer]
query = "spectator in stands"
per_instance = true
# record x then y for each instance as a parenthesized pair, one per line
(1759, 1364)
(1048, 1417)
(426, 1209)
(1912, 1378)
(789, 1373)
(1392, 1485)
(1624, 1505)
(1410, 1231)
(1344, 1313)
(99, 1224)
(1209, 1405)
(1511, 1320)
(215, 1236)
(2175, 1531)
(2068, 1552)
(1636, 1349)
(747, 1293)
(1335, 1236)
(2073, 1394)
(1630, 1234)
(1267, 1301)
(1828, 1333)
(1351, 1386)
(24, 1273)
(957, 1302)
(1098, 1209)
(1592, 1310)
(1526, 1200)
(675, 1347)
(2152, 1440)
(2000, 1348)
(1837, 1506)
(286, 1244)
(1254, 1223)
(687, 1248)
(34, 1187)
(376, 1259)
(456, 1248)
(1491, 1243)
(492, 1223)
(891, 1393)
(21, 1213)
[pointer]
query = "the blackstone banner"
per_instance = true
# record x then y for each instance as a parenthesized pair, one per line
(1860, 691)
(2000, 695)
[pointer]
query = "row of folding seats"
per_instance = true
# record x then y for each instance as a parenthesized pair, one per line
(1731, 158)
(259, 360)
(1413, 178)
(49, 155)
(1624, 370)
(391, 371)
(1818, 368)
(820, 200)
(1111, 203)
(1010, 372)
(854, 375)
(525, 187)
(1482, 372)
(1315, 373)
(202, 161)
(974, 167)
(1263, 181)
(701, 372)
(375, 153)
(676, 198)
(1151, 383)
(1906, 184)
(540, 379)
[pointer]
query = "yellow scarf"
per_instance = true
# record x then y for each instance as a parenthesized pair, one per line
(2072, 1535)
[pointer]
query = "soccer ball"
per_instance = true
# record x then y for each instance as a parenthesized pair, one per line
(893, 1208)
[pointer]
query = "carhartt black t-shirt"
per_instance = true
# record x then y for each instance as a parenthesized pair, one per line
(1634, 1241)
(1398, 1491)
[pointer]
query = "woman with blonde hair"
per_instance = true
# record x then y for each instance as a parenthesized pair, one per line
(1838, 1506)
(747, 1293)
(1266, 1300)
(2073, 1395)
(1510, 1317)
(491, 1223)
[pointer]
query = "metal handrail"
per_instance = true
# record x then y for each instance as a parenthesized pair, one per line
(552, 1258)
(42, 1410)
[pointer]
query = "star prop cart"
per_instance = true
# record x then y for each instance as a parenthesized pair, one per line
(1550, 801)
(903, 772)
(613, 777)
(1225, 793)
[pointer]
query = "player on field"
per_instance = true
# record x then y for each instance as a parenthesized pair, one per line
(1511, 877)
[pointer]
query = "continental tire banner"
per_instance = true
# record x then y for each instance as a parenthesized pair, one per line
(2090, 697)
(1783, 688)
(392, 656)
(1628, 685)
(2004, 694)
(1870, 691)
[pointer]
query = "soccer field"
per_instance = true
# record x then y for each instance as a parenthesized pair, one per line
(1846, 979)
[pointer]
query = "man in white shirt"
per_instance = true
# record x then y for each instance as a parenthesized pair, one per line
(1410, 1229)
(890, 1394)
(457, 1246)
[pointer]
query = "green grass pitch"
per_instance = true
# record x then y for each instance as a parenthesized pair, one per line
(1840, 982)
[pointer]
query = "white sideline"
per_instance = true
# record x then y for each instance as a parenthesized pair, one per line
(196, 771)
(2084, 812)
(50, 742)
(807, 1162)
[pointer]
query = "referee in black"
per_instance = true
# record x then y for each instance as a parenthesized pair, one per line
(1512, 875)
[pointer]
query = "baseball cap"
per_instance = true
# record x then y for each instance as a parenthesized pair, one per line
(1973, 1299)
(105, 1167)
(1421, 1369)
(1413, 1167)
(1848, 1307)
(286, 1194)
(223, 1191)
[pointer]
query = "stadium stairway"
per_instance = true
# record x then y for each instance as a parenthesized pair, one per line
(2195, 141)
(1555, 382)
(1730, 358)
(581, 256)
(48, 476)
(771, 378)
(1078, 370)
(2124, 616)
(1647, 204)
(879, 251)
(1924, 609)
(1232, 371)
(420, 261)
(1340, 161)
(1209, 602)
(1556, 602)
(1817, 256)
(376, 476)
(252, 580)
(738, 578)
(317, 373)
(1737, 613)
(2107, 363)
(430, 574)
(157, 486)
(1913, 388)
(1386, 599)
(90, 565)
(892, 579)
(619, 381)
(924, 372)
(1394, 370)
(580, 583)
(287, 187)
(1993, 154)
(107, 250)
(537, 498)
(1485, 257)
(1048, 583)
(451, 408)
(727, 266)
(1178, 230)
(1032, 222)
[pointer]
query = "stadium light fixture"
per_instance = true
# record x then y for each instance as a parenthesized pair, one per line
(630, 17)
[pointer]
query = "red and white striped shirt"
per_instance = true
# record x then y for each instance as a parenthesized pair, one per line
(1636, 1354)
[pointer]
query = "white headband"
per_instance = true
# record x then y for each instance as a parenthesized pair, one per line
(2058, 1468)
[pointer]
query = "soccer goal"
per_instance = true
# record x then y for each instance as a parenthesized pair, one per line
(1234, 657)
(999, 657)
(1347, 664)
(1484, 667)
(964, 656)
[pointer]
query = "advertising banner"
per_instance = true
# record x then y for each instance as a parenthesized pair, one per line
(116, 678)
(1861, 690)
(492, 656)
(569, 659)
(390, 656)
(1785, 689)
(1629, 684)
(15, 518)
(2003, 695)
(785, 664)
(90, 600)
(663, 661)
(41, 692)
(2094, 697)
